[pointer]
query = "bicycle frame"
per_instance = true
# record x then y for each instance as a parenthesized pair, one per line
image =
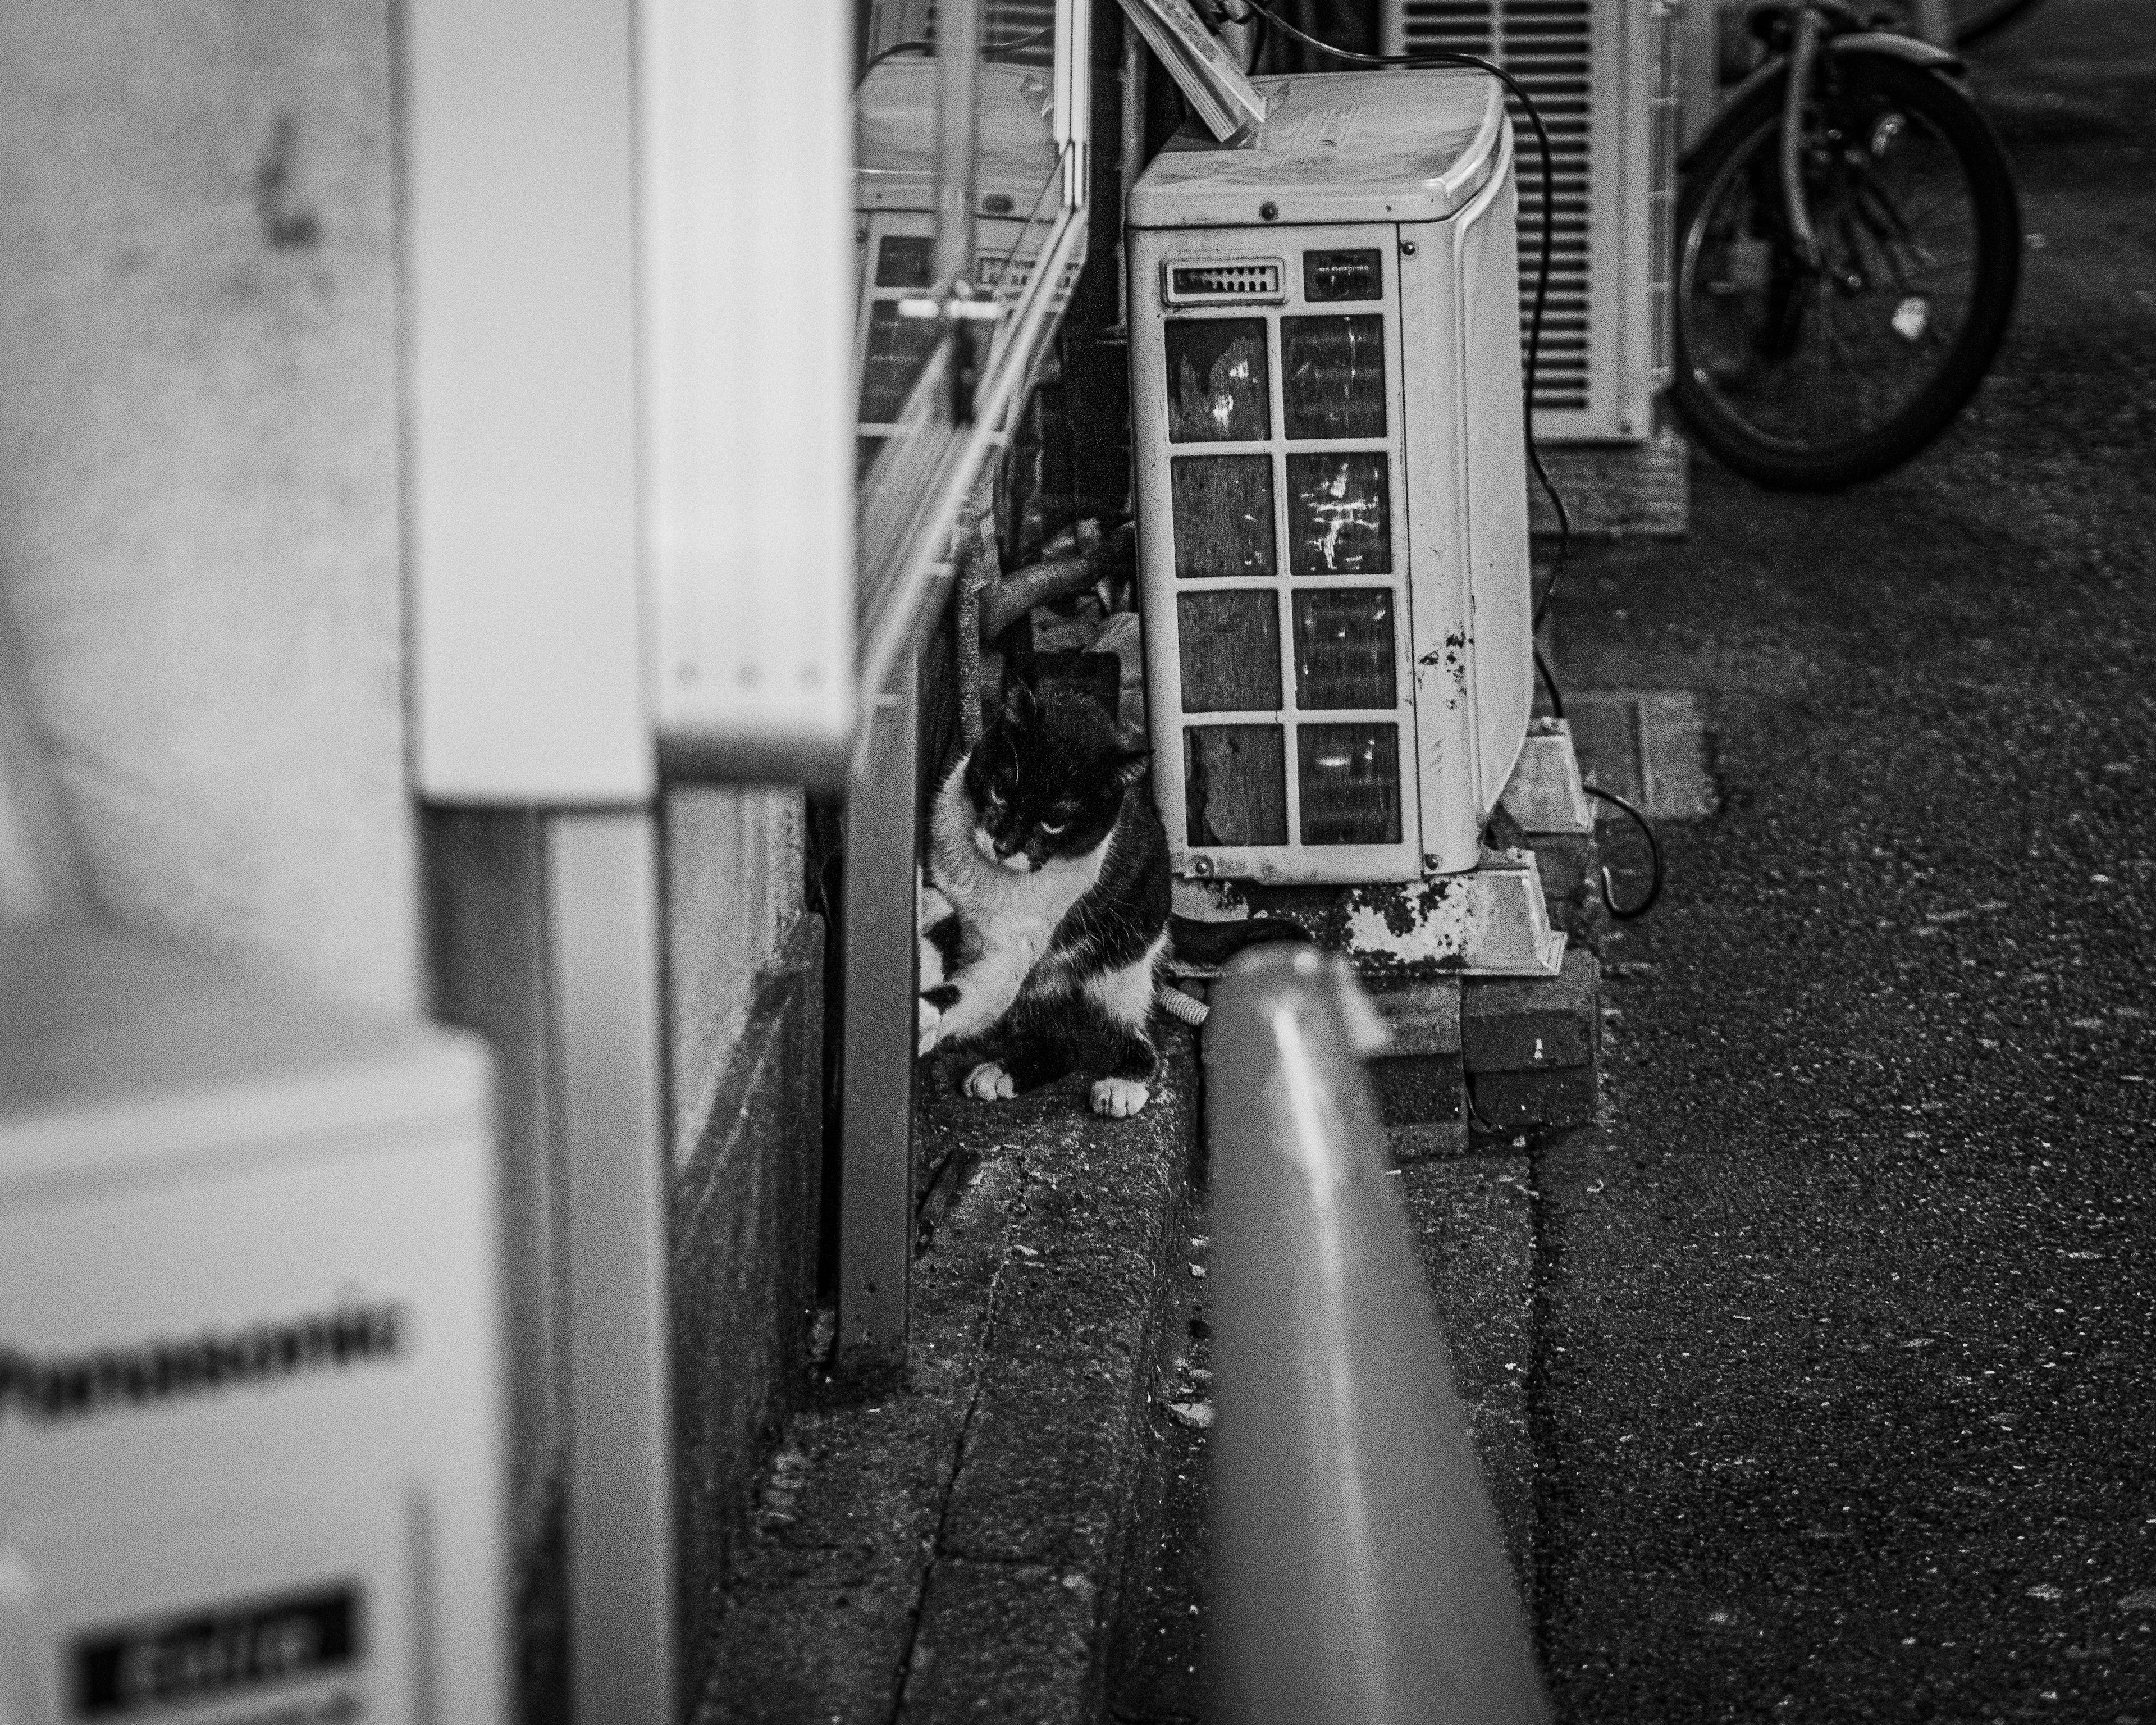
(1819, 26)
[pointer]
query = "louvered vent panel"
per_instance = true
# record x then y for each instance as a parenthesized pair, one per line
(1548, 46)
(1030, 21)
(1011, 275)
(1188, 282)
(1662, 187)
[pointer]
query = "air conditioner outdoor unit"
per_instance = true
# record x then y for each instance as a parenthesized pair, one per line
(1016, 194)
(1332, 506)
(251, 1381)
(1600, 72)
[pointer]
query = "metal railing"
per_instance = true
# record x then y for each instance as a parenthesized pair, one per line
(1359, 1576)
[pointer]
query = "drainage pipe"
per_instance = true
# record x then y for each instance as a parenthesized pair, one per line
(1359, 1576)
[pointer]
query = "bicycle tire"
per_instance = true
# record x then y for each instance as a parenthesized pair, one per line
(1732, 145)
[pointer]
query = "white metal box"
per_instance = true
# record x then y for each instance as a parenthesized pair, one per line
(631, 529)
(251, 1414)
(1325, 366)
(1600, 72)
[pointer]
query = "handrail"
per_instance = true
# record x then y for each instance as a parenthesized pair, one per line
(1359, 1576)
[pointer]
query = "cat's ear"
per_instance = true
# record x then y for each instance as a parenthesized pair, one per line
(1021, 706)
(1131, 766)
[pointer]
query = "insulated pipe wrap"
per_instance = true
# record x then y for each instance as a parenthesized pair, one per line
(1360, 1578)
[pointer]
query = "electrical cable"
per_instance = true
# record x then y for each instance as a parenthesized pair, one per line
(1550, 682)
(1452, 57)
(1646, 827)
(1654, 851)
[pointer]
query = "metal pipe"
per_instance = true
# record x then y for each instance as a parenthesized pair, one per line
(875, 1105)
(958, 132)
(1359, 1576)
(1804, 60)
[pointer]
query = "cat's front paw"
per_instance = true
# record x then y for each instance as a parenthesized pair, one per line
(1121, 1098)
(930, 1021)
(991, 1083)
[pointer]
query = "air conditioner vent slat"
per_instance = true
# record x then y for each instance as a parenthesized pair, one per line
(1225, 282)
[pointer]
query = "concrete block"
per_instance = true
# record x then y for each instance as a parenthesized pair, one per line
(944, 1546)
(1526, 1024)
(1619, 488)
(1424, 1016)
(1005, 1641)
(1647, 745)
(1419, 1089)
(1566, 1096)
(1073, 1313)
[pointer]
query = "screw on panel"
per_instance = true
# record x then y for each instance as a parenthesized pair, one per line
(1430, 861)
(1407, 248)
(1269, 213)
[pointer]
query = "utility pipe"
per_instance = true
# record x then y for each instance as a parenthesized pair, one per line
(1359, 1578)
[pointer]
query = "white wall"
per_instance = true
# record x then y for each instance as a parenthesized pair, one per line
(733, 892)
(198, 465)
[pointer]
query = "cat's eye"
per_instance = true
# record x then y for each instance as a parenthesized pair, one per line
(1051, 827)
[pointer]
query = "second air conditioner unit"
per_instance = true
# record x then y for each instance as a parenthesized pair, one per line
(1601, 75)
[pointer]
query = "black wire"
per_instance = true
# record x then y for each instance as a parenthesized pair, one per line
(1451, 57)
(989, 50)
(1550, 682)
(1654, 851)
(889, 53)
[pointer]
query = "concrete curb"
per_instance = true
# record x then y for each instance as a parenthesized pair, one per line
(946, 1550)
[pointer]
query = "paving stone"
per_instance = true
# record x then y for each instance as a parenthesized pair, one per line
(1419, 1091)
(1647, 745)
(1525, 1024)
(944, 1548)
(1005, 1642)
(1566, 1096)
(1424, 1016)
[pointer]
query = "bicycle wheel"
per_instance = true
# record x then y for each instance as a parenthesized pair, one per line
(1813, 378)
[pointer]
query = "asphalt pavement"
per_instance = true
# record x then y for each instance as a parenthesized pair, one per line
(1844, 1403)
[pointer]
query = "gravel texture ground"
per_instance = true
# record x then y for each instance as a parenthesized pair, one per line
(1847, 1317)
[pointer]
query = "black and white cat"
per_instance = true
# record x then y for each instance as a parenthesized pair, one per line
(1045, 921)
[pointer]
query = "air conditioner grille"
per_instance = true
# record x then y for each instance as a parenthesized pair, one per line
(1188, 282)
(1029, 25)
(1012, 274)
(1548, 46)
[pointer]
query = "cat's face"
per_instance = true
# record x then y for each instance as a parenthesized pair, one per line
(1047, 781)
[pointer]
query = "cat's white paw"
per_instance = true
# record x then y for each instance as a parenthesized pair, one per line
(990, 1083)
(931, 1022)
(1121, 1098)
